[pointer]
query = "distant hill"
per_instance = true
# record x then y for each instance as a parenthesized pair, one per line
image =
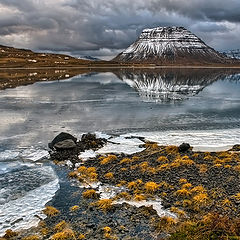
(232, 53)
(14, 57)
(170, 45)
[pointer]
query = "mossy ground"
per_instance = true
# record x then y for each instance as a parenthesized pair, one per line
(201, 188)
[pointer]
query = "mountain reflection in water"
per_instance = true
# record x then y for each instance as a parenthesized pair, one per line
(171, 85)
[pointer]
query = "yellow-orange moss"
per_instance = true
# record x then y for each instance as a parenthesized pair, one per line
(60, 226)
(108, 159)
(51, 211)
(151, 187)
(104, 204)
(74, 208)
(109, 175)
(91, 193)
(66, 234)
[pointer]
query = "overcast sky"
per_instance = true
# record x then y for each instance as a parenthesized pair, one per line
(103, 28)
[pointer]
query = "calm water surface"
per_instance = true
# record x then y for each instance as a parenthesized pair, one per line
(198, 106)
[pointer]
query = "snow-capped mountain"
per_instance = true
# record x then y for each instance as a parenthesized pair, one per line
(169, 85)
(232, 53)
(170, 45)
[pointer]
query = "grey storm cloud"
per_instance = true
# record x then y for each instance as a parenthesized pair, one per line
(105, 27)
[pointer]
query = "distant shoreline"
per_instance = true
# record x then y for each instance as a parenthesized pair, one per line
(123, 67)
(19, 76)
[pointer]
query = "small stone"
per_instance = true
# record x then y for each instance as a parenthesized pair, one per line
(184, 147)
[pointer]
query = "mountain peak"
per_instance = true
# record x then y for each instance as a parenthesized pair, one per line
(169, 45)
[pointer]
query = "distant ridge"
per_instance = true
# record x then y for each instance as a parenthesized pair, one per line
(232, 53)
(170, 45)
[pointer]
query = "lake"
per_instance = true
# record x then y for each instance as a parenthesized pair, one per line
(169, 106)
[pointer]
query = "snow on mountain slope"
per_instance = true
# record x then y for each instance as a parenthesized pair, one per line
(170, 45)
(232, 53)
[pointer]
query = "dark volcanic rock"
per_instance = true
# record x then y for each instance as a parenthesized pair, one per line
(60, 138)
(235, 148)
(66, 147)
(184, 147)
(65, 144)
(90, 141)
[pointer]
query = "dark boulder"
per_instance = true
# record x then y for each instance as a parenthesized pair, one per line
(62, 137)
(65, 144)
(235, 148)
(184, 147)
(66, 147)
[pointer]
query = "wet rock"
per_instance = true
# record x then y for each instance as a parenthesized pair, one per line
(66, 147)
(66, 144)
(184, 147)
(60, 138)
(90, 141)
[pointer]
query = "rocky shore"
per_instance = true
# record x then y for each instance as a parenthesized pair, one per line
(162, 192)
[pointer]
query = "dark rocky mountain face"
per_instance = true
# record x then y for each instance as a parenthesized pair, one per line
(170, 45)
(170, 85)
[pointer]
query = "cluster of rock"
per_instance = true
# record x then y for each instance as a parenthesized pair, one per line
(66, 147)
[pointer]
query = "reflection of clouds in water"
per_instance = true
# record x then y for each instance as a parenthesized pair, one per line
(104, 102)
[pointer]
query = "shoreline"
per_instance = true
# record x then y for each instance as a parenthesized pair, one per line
(14, 77)
(123, 67)
(176, 175)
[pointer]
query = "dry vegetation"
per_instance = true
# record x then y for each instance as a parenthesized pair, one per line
(201, 189)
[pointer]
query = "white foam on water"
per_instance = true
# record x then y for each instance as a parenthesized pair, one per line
(21, 212)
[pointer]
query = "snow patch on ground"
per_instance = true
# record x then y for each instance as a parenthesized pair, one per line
(109, 192)
(156, 204)
(87, 154)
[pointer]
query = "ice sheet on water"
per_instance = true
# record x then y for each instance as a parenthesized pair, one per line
(19, 182)
(122, 145)
(34, 154)
(31, 154)
(24, 197)
(8, 155)
(8, 166)
(201, 140)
